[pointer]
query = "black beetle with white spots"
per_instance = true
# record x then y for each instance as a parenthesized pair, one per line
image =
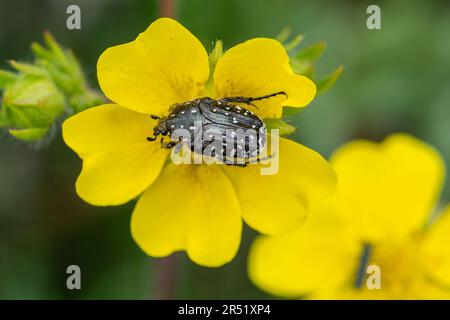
(242, 132)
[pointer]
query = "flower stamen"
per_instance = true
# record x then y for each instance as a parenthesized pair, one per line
(366, 253)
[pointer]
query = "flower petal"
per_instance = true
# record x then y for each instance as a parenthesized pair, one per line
(259, 67)
(166, 64)
(437, 242)
(274, 204)
(388, 189)
(118, 161)
(321, 254)
(193, 208)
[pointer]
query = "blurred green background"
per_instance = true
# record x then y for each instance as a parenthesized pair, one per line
(395, 79)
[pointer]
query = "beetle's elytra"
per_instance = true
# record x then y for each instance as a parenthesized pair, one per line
(242, 133)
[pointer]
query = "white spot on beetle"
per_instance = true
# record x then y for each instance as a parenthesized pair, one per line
(193, 111)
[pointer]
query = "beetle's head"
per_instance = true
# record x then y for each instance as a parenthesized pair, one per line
(161, 127)
(205, 102)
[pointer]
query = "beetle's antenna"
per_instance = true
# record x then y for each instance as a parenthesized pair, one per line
(268, 96)
(248, 100)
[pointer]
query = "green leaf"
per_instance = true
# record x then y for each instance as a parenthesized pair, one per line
(215, 55)
(54, 47)
(301, 67)
(31, 134)
(4, 121)
(290, 111)
(312, 53)
(41, 52)
(29, 69)
(303, 61)
(284, 34)
(285, 129)
(328, 81)
(283, 37)
(6, 77)
(291, 45)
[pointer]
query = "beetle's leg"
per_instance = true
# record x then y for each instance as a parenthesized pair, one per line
(249, 100)
(241, 165)
(261, 159)
(234, 163)
(154, 117)
(247, 162)
(170, 144)
(178, 146)
(165, 145)
(156, 133)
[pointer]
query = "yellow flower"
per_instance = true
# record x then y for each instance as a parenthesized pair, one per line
(381, 210)
(197, 208)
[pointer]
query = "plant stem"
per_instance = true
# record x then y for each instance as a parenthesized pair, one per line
(167, 8)
(166, 269)
(166, 274)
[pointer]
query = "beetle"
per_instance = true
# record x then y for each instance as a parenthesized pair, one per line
(226, 118)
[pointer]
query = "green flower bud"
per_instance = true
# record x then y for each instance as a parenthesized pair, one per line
(30, 105)
(37, 93)
(65, 71)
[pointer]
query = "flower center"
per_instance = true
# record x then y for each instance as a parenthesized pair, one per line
(400, 266)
